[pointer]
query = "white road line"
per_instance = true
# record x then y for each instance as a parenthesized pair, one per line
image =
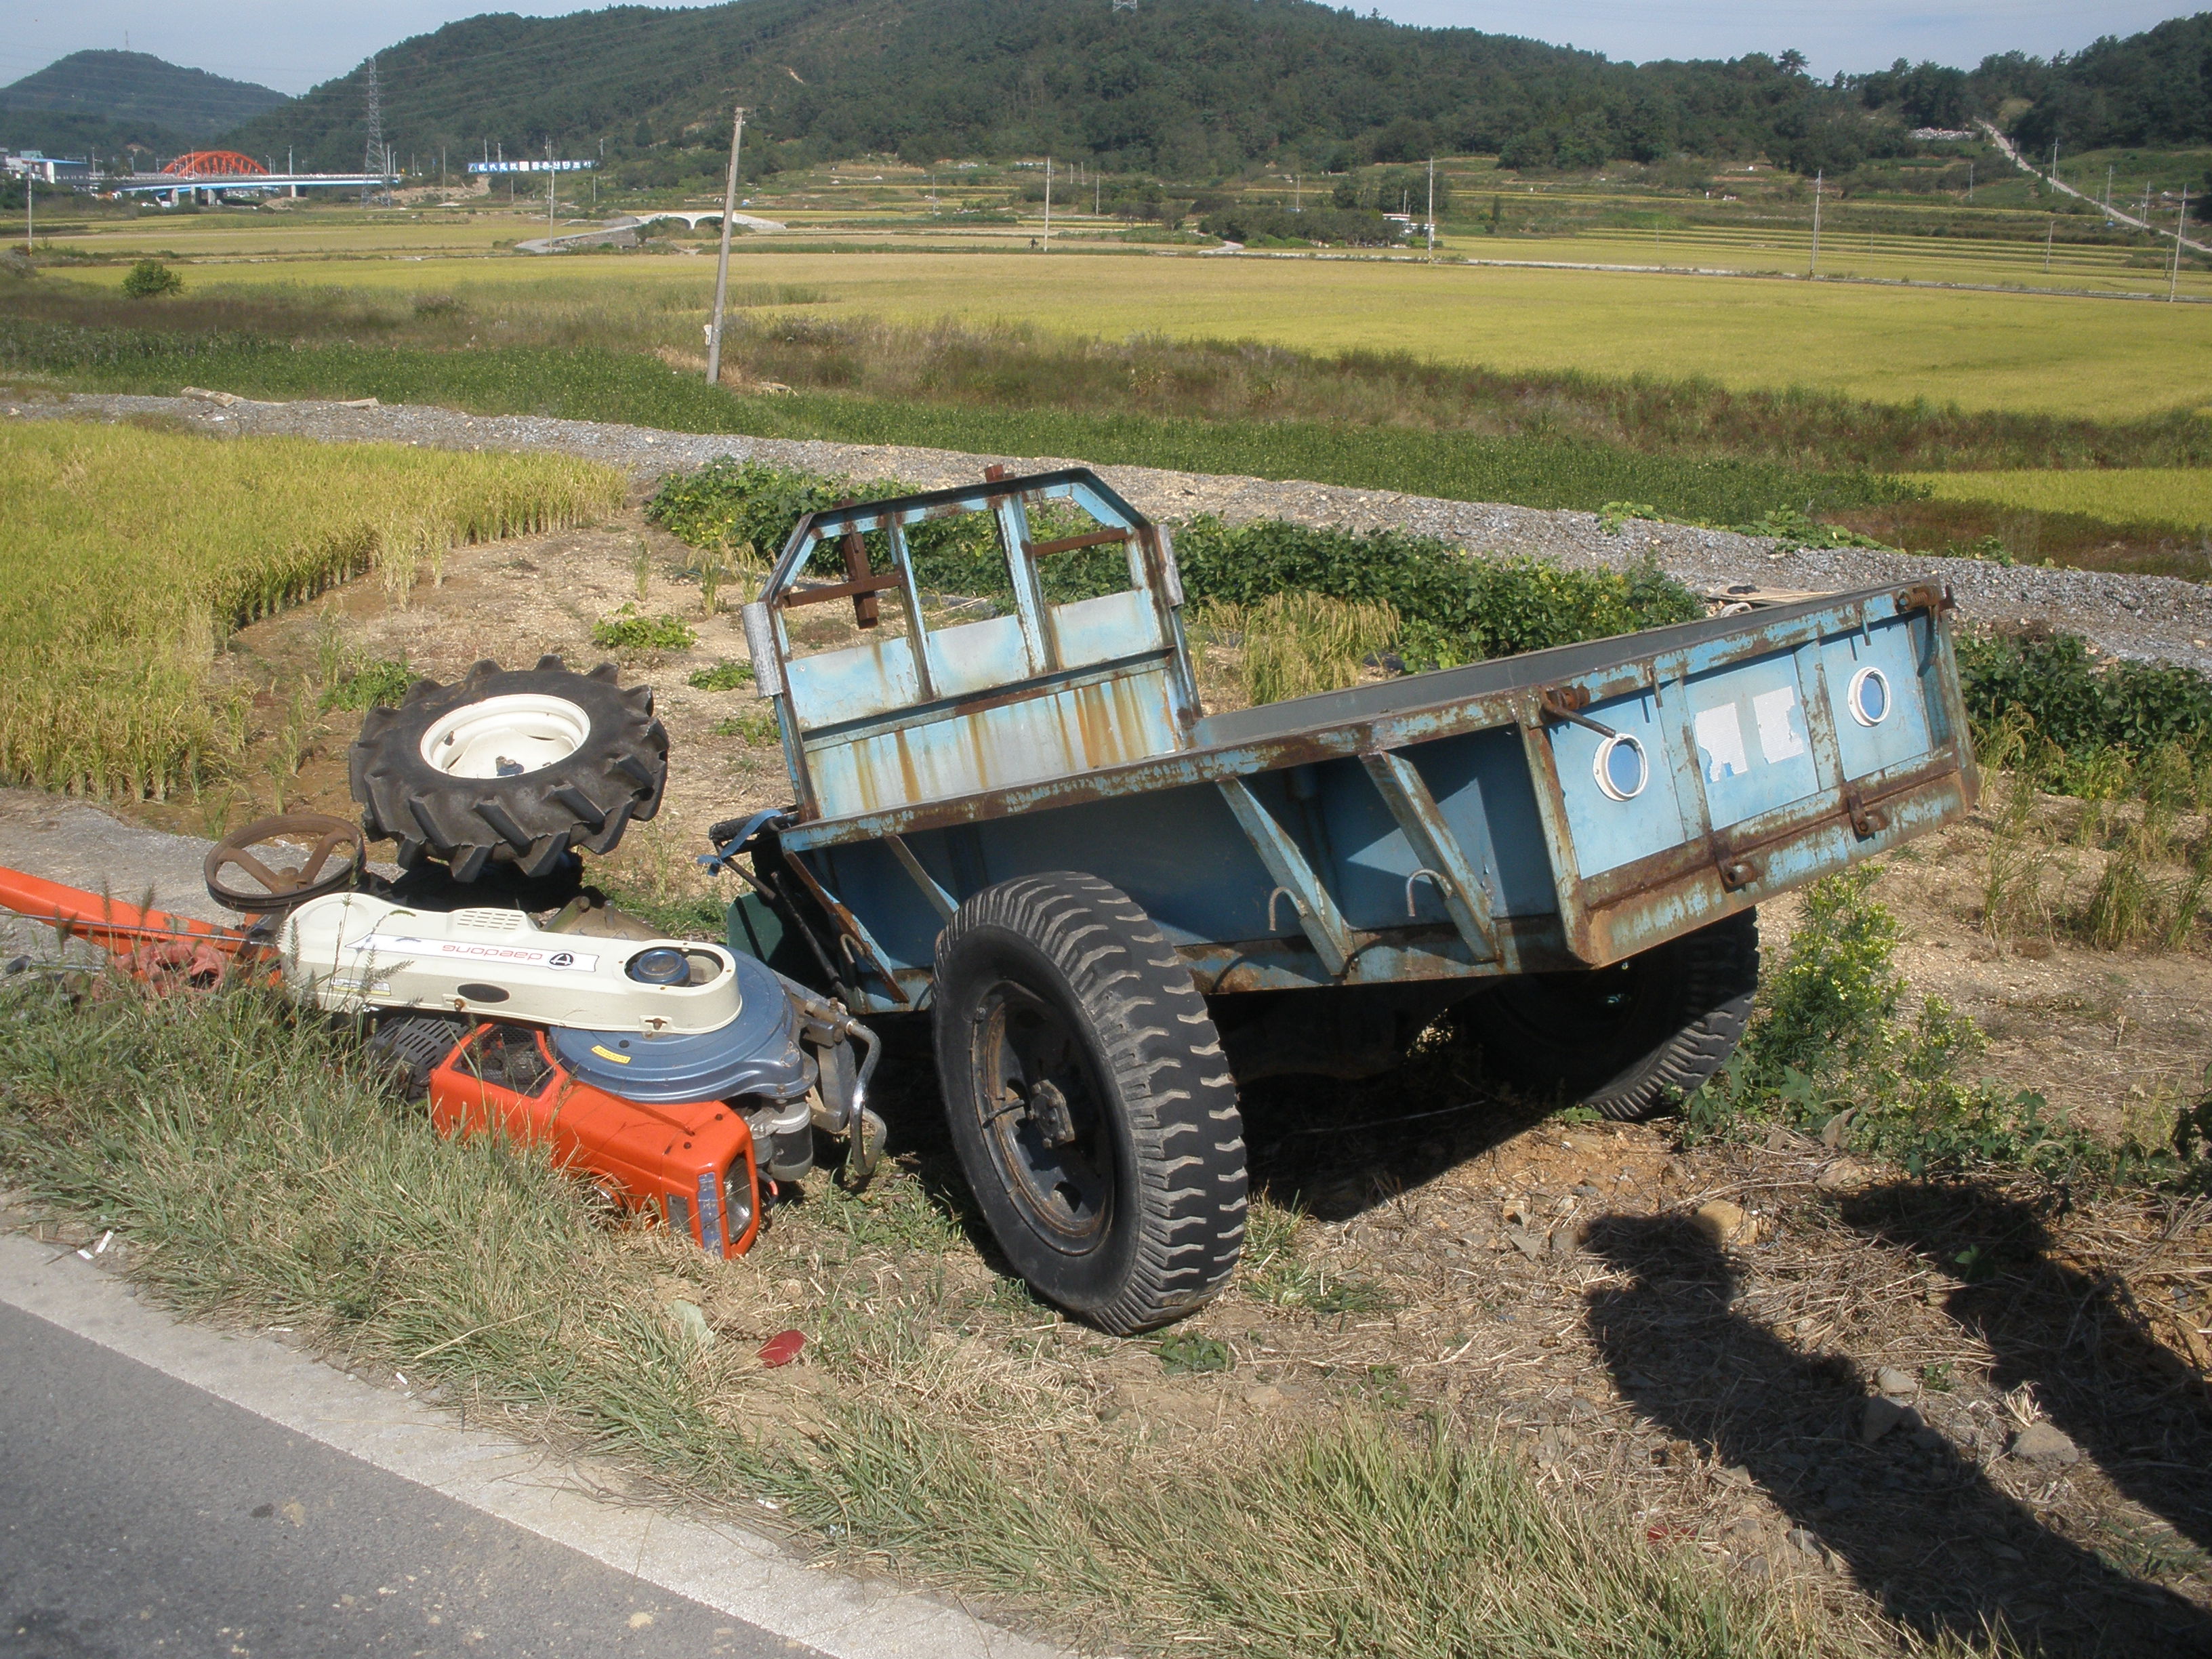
(747, 1577)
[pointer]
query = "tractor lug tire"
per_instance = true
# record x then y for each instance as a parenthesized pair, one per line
(581, 801)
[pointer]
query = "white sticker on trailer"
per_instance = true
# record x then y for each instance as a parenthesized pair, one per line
(1778, 739)
(1720, 734)
(386, 946)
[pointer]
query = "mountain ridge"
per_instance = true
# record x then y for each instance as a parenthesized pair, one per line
(112, 100)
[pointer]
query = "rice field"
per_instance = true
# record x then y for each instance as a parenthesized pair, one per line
(131, 554)
(2180, 497)
(2034, 352)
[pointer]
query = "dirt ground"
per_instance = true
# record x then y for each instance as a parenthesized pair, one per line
(1961, 1406)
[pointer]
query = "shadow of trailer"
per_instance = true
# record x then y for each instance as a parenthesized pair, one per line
(1113, 905)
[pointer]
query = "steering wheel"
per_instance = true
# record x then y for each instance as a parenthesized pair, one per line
(325, 870)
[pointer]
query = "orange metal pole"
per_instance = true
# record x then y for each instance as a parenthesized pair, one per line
(101, 920)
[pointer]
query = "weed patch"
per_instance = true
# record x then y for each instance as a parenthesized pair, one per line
(1831, 1052)
(626, 631)
(376, 684)
(724, 675)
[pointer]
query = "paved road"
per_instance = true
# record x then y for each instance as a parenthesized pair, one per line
(140, 1516)
(167, 1489)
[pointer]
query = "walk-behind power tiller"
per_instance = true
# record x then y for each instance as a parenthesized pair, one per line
(683, 1078)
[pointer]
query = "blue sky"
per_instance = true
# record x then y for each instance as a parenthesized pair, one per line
(291, 46)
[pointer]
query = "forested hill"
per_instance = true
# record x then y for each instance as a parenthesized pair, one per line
(1190, 88)
(2152, 89)
(110, 99)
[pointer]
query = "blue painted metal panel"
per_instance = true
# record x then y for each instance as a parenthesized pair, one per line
(1107, 629)
(1078, 728)
(833, 687)
(1481, 783)
(1609, 833)
(1748, 724)
(1177, 852)
(1892, 650)
(979, 656)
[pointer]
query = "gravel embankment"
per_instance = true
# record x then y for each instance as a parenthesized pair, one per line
(2144, 616)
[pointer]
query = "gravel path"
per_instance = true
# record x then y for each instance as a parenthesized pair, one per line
(2144, 616)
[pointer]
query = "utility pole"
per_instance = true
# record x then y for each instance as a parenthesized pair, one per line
(1970, 184)
(722, 265)
(2108, 190)
(1432, 210)
(1818, 176)
(2050, 225)
(549, 187)
(1047, 205)
(2180, 225)
(30, 214)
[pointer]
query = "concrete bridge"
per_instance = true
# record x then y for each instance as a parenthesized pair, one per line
(172, 188)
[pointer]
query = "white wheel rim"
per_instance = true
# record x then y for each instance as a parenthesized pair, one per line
(506, 737)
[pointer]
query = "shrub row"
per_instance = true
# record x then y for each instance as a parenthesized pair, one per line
(1454, 609)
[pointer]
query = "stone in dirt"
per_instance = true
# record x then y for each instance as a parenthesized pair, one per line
(1878, 1417)
(2040, 1443)
(1901, 1385)
(1726, 1223)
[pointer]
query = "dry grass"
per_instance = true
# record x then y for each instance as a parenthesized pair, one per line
(132, 553)
(1295, 644)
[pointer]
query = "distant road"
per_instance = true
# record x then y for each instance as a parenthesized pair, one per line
(2013, 155)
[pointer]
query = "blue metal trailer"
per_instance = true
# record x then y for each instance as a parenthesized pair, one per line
(1113, 905)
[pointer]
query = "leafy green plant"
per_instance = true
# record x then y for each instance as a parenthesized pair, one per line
(379, 684)
(627, 631)
(724, 675)
(1833, 1051)
(1186, 1352)
(2104, 717)
(759, 730)
(150, 279)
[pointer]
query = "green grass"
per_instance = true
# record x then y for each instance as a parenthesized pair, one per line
(584, 383)
(476, 1268)
(129, 554)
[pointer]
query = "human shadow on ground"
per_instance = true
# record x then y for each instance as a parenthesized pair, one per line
(1916, 1522)
(2131, 1404)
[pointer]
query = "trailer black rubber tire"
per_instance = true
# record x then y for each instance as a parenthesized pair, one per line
(1138, 1218)
(584, 799)
(1629, 1041)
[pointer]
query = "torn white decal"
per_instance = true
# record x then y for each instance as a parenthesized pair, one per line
(1720, 734)
(1778, 739)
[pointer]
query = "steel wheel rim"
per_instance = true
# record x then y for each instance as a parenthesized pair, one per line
(1022, 1044)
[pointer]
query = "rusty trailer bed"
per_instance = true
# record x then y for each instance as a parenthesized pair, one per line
(1557, 809)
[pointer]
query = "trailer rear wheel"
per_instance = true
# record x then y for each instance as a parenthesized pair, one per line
(1631, 1040)
(1090, 1105)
